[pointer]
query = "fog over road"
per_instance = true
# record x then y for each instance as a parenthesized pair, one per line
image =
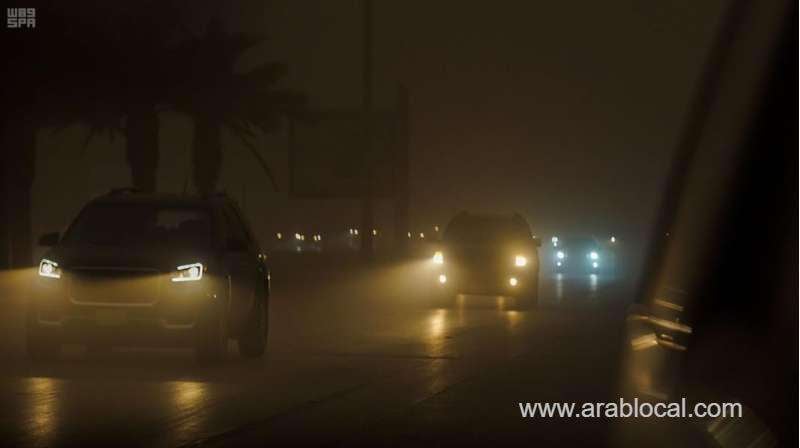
(356, 356)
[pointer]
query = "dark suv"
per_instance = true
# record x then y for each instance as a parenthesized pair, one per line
(136, 269)
(489, 254)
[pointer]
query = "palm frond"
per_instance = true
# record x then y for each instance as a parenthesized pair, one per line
(263, 163)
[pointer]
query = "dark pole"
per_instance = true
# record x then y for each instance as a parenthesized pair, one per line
(367, 200)
(5, 245)
(401, 171)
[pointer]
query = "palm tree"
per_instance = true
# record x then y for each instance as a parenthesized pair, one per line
(100, 74)
(131, 81)
(218, 97)
(29, 95)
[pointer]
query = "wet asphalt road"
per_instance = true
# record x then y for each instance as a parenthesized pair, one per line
(356, 357)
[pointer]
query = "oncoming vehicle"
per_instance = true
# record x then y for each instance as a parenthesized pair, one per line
(489, 254)
(136, 269)
(580, 256)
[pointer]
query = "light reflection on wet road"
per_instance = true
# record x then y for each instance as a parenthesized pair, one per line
(359, 348)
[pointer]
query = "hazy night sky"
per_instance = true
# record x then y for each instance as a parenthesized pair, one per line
(565, 111)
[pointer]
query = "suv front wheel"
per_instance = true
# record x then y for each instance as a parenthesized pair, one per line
(253, 341)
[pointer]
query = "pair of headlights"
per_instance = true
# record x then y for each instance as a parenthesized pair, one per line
(519, 260)
(591, 255)
(185, 273)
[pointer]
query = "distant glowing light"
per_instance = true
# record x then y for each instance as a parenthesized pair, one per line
(560, 255)
(436, 229)
(593, 255)
(520, 261)
(558, 263)
(438, 258)
(594, 265)
(613, 239)
(409, 234)
(355, 232)
(374, 232)
(297, 236)
(421, 235)
(513, 281)
(442, 279)
(554, 240)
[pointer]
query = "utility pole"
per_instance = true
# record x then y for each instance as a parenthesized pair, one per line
(367, 193)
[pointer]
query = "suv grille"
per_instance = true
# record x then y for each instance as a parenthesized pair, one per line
(114, 286)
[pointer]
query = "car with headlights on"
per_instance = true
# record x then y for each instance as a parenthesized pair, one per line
(142, 269)
(488, 254)
(579, 255)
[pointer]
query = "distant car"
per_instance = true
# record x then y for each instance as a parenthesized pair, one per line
(580, 256)
(137, 268)
(489, 254)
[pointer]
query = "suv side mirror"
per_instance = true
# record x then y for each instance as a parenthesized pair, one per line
(235, 245)
(49, 239)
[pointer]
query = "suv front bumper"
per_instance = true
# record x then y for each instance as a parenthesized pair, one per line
(169, 317)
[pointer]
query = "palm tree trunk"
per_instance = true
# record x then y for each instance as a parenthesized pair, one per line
(21, 170)
(5, 237)
(206, 153)
(142, 147)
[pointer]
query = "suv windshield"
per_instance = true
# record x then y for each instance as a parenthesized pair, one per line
(141, 224)
(485, 231)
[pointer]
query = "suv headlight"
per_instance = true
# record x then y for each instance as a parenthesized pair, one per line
(520, 261)
(188, 273)
(438, 257)
(49, 268)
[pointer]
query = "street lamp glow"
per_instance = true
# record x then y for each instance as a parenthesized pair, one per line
(442, 279)
(513, 281)
(560, 255)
